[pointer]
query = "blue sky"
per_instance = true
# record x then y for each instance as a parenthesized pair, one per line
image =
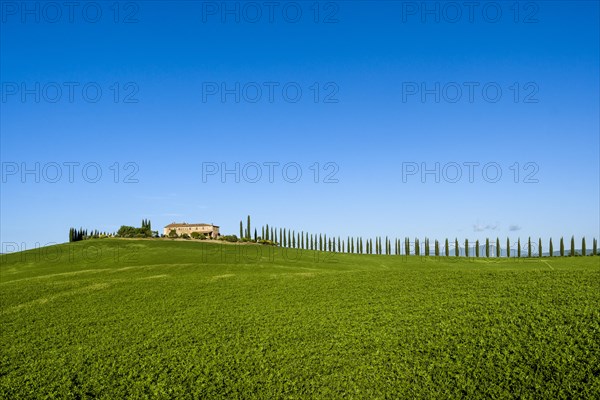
(162, 117)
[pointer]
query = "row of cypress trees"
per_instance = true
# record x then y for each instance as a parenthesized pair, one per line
(321, 242)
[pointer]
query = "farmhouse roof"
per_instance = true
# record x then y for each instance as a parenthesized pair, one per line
(179, 225)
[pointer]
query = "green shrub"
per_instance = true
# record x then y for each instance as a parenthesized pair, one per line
(229, 238)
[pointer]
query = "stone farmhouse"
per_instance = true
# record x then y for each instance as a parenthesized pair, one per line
(210, 230)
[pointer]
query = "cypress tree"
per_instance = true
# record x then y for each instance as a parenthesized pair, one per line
(497, 247)
(540, 247)
(595, 247)
(255, 235)
(262, 233)
(293, 240)
(320, 243)
(447, 248)
(275, 237)
(507, 247)
(298, 241)
(266, 233)
(248, 227)
(583, 251)
(477, 248)
(519, 248)
(487, 248)
(427, 247)
(466, 247)
(562, 247)
(551, 248)
(437, 248)
(284, 237)
(529, 247)
(572, 246)
(456, 248)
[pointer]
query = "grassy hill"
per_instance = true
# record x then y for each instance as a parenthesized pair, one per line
(163, 319)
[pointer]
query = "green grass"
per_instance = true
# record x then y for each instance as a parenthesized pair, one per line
(166, 319)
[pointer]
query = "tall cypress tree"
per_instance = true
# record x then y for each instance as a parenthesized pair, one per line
(417, 247)
(507, 247)
(456, 248)
(562, 247)
(595, 247)
(477, 248)
(437, 248)
(551, 248)
(466, 247)
(529, 247)
(583, 250)
(255, 235)
(248, 228)
(540, 247)
(447, 248)
(497, 247)
(572, 246)
(487, 248)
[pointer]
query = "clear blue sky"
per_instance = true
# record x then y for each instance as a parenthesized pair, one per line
(369, 62)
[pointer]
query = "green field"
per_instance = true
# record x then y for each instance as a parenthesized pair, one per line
(113, 319)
